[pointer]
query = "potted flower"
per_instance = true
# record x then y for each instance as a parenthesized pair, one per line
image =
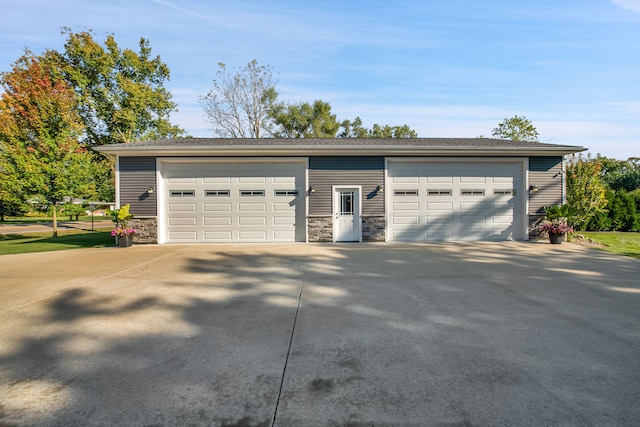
(556, 222)
(557, 231)
(122, 233)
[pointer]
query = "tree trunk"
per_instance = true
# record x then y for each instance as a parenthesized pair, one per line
(55, 222)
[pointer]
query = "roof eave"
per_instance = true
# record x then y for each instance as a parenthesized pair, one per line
(203, 151)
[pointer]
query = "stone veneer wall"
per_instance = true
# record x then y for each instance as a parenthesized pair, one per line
(147, 229)
(373, 228)
(321, 229)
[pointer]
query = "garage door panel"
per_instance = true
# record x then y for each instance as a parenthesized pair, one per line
(252, 207)
(216, 180)
(405, 179)
(440, 179)
(406, 220)
(406, 206)
(217, 221)
(504, 219)
(406, 235)
(220, 236)
(252, 235)
(440, 206)
(440, 219)
(183, 235)
(458, 200)
(473, 219)
(258, 220)
(284, 220)
(440, 233)
(284, 235)
(502, 179)
(472, 206)
(216, 207)
(472, 179)
(182, 207)
(189, 221)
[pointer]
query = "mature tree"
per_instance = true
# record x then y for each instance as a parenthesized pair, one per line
(303, 120)
(621, 174)
(238, 106)
(585, 190)
(11, 193)
(517, 129)
(387, 131)
(39, 133)
(121, 94)
(353, 129)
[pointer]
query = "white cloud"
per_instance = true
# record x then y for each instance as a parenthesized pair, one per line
(633, 5)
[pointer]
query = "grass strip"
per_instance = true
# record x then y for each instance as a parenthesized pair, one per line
(43, 242)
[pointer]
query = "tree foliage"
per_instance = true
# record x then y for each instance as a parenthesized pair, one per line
(621, 174)
(516, 128)
(387, 131)
(303, 120)
(585, 190)
(121, 94)
(239, 104)
(39, 132)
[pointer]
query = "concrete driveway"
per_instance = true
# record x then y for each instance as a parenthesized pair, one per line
(453, 334)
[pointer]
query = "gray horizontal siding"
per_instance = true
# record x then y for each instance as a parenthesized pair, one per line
(546, 174)
(365, 171)
(137, 174)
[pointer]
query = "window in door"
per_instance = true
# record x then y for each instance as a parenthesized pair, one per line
(346, 203)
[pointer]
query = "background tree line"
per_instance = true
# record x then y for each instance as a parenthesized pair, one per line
(244, 104)
(606, 193)
(56, 106)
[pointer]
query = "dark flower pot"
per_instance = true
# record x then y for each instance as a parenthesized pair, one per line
(124, 241)
(556, 238)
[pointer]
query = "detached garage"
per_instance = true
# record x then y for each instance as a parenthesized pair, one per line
(208, 190)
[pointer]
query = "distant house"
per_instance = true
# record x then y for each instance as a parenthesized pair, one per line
(337, 190)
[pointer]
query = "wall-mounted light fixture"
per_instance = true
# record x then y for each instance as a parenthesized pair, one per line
(380, 189)
(533, 188)
(312, 189)
(151, 190)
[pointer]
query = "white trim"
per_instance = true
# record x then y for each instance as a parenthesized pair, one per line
(117, 183)
(161, 203)
(306, 204)
(357, 215)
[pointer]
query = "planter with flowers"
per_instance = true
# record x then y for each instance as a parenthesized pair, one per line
(123, 233)
(555, 223)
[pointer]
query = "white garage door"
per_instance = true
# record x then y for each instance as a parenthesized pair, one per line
(234, 202)
(430, 201)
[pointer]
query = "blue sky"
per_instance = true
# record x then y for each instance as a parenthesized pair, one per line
(447, 68)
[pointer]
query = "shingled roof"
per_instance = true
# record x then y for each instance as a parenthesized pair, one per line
(336, 146)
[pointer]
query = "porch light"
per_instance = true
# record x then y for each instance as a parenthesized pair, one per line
(312, 189)
(533, 188)
(380, 189)
(150, 190)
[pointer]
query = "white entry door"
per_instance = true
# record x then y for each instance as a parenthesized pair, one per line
(346, 214)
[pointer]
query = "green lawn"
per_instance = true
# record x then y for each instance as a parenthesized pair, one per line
(37, 219)
(618, 243)
(43, 242)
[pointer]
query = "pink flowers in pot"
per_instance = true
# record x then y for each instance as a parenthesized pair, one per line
(123, 231)
(556, 228)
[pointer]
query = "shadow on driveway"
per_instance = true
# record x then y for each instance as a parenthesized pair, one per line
(256, 335)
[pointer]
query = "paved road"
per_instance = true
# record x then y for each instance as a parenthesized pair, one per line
(42, 227)
(320, 335)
